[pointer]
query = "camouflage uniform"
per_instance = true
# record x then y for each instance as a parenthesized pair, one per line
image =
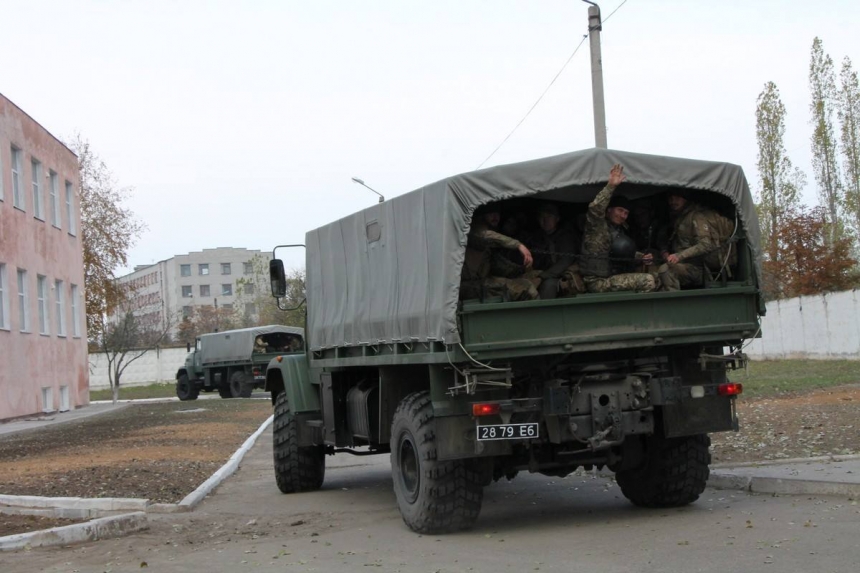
(691, 240)
(596, 267)
(486, 273)
(556, 264)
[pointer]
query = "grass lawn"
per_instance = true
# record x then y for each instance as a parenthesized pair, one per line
(774, 377)
(136, 392)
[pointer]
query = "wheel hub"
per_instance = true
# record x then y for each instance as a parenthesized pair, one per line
(409, 469)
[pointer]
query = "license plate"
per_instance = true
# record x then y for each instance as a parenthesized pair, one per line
(508, 432)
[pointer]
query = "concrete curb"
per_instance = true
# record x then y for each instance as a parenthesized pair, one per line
(830, 458)
(103, 528)
(225, 471)
(783, 486)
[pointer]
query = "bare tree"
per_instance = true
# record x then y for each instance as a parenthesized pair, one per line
(780, 182)
(848, 112)
(822, 85)
(128, 330)
(109, 230)
(205, 319)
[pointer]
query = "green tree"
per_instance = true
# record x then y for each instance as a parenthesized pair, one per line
(822, 85)
(108, 231)
(256, 304)
(848, 112)
(780, 182)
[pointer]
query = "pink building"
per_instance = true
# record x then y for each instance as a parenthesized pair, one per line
(43, 339)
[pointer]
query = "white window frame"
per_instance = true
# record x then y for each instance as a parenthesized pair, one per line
(76, 315)
(2, 194)
(190, 291)
(54, 190)
(60, 297)
(18, 200)
(23, 301)
(38, 208)
(5, 321)
(203, 269)
(70, 212)
(42, 304)
(47, 399)
(65, 402)
(227, 289)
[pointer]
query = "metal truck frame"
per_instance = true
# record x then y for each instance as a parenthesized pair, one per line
(462, 393)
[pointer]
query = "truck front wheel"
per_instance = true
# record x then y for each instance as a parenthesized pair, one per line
(296, 468)
(674, 473)
(433, 496)
(186, 389)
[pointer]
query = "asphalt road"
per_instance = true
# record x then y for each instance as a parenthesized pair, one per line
(534, 523)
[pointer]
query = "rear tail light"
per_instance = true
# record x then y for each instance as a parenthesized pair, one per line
(485, 409)
(730, 389)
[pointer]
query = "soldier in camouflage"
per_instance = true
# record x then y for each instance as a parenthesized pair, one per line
(604, 223)
(555, 264)
(485, 272)
(690, 241)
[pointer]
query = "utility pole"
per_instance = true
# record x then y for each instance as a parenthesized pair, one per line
(594, 27)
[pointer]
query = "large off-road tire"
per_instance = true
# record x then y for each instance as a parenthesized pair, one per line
(296, 468)
(433, 496)
(674, 473)
(241, 385)
(186, 389)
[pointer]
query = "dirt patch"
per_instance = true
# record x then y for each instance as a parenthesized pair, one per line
(160, 452)
(819, 423)
(14, 524)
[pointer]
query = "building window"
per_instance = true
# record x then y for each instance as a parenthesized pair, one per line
(204, 290)
(185, 270)
(65, 404)
(203, 269)
(248, 268)
(249, 288)
(76, 320)
(227, 290)
(226, 269)
(228, 307)
(186, 312)
(250, 309)
(186, 291)
(17, 191)
(23, 302)
(70, 212)
(61, 308)
(4, 299)
(55, 200)
(2, 194)
(47, 399)
(36, 169)
(42, 298)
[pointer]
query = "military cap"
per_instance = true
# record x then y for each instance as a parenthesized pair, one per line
(619, 201)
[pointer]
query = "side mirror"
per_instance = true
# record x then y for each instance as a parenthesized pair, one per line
(187, 347)
(277, 278)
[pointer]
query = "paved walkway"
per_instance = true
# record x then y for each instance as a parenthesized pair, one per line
(42, 420)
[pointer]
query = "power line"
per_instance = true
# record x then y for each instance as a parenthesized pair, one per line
(534, 105)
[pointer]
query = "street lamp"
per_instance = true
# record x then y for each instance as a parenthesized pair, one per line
(363, 184)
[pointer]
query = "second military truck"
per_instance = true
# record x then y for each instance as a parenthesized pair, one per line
(465, 392)
(234, 362)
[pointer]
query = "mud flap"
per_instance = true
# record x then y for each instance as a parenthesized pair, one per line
(699, 416)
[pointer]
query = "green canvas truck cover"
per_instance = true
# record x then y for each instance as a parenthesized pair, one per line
(236, 345)
(391, 273)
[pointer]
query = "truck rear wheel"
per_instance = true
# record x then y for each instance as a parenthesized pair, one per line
(674, 473)
(296, 468)
(185, 389)
(241, 385)
(433, 496)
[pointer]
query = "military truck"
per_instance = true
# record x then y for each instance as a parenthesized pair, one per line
(464, 392)
(234, 362)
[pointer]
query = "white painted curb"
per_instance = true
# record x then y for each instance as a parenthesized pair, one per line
(102, 528)
(225, 471)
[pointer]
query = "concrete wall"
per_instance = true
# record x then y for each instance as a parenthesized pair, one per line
(40, 360)
(159, 365)
(823, 327)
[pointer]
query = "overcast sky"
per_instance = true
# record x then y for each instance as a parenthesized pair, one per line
(241, 123)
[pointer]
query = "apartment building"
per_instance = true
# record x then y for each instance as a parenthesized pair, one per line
(177, 285)
(43, 340)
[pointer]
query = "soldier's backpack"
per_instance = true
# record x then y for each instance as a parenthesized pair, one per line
(723, 233)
